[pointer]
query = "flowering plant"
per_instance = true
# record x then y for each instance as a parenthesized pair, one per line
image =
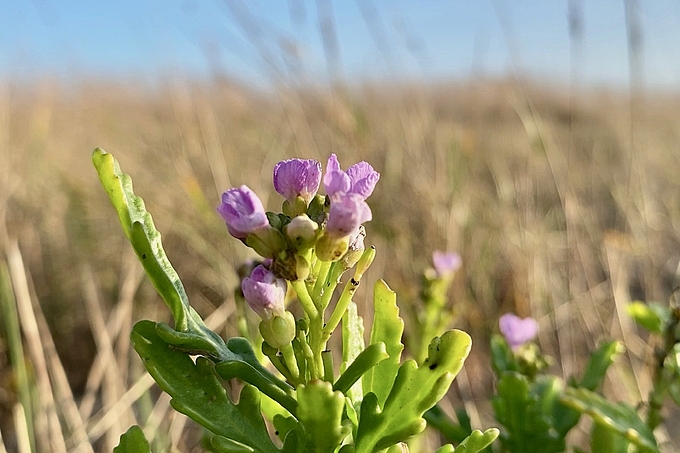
(371, 402)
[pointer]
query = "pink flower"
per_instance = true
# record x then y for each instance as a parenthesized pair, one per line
(243, 212)
(297, 178)
(264, 292)
(359, 179)
(446, 263)
(346, 214)
(516, 330)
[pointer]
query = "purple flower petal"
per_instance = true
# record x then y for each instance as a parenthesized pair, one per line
(446, 263)
(360, 178)
(363, 178)
(297, 178)
(516, 330)
(243, 212)
(346, 214)
(264, 292)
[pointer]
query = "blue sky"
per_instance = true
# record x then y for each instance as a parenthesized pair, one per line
(265, 41)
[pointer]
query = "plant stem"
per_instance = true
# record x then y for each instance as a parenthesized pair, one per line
(305, 299)
(662, 376)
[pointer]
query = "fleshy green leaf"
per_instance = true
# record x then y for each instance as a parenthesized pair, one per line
(453, 432)
(388, 328)
(197, 393)
(618, 417)
(605, 440)
(139, 228)
(368, 358)
(477, 441)
(502, 358)
(651, 316)
(599, 362)
(526, 409)
(133, 441)
(352, 345)
(224, 445)
(191, 335)
(320, 415)
(415, 390)
(243, 364)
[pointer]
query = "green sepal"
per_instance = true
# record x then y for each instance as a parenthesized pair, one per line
(415, 390)
(366, 360)
(139, 228)
(387, 328)
(477, 441)
(619, 417)
(320, 414)
(277, 220)
(651, 316)
(197, 393)
(133, 441)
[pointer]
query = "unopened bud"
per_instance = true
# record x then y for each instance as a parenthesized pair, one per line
(278, 331)
(295, 208)
(331, 248)
(301, 232)
(267, 241)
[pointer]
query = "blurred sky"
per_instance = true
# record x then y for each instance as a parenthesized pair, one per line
(265, 41)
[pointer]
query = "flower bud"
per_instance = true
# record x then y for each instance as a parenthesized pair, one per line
(268, 242)
(278, 331)
(265, 293)
(243, 212)
(331, 248)
(301, 232)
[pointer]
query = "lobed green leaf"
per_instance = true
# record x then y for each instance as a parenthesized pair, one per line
(133, 441)
(618, 417)
(197, 393)
(387, 328)
(415, 390)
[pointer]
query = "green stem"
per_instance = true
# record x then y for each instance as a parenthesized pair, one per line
(305, 299)
(321, 277)
(329, 288)
(340, 308)
(291, 362)
(662, 376)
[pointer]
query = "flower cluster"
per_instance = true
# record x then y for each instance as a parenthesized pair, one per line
(310, 227)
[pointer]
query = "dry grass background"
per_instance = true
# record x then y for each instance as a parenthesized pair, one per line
(564, 207)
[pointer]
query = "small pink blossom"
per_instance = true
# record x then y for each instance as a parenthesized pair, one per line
(516, 330)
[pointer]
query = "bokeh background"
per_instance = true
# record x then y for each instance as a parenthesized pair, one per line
(537, 139)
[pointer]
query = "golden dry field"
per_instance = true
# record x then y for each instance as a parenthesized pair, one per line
(564, 206)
